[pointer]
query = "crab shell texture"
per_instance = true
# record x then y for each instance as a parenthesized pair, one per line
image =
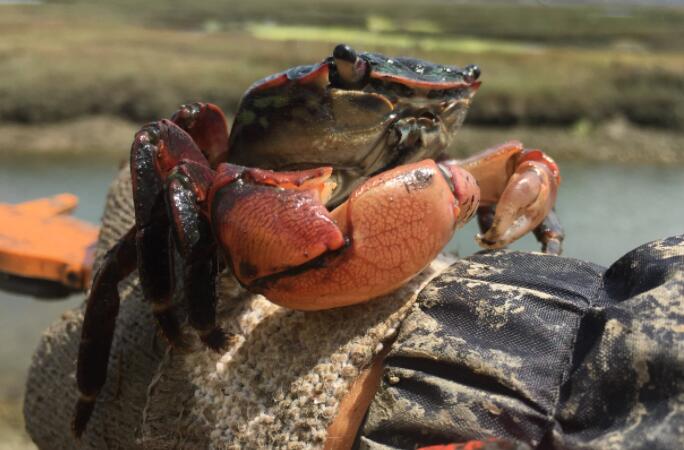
(401, 110)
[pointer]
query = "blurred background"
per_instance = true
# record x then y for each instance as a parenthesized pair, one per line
(599, 85)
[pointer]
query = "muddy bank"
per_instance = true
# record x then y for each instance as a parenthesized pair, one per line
(613, 141)
(103, 135)
(617, 140)
(541, 66)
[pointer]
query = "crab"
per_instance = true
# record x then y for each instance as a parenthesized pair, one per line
(333, 187)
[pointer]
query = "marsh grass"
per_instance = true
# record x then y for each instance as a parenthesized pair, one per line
(80, 77)
(541, 65)
(615, 141)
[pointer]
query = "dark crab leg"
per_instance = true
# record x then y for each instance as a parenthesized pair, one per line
(550, 234)
(485, 217)
(195, 243)
(152, 237)
(156, 277)
(188, 175)
(157, 149)
(139, 247)
(98, 327)
(144, 246)
(206, 124)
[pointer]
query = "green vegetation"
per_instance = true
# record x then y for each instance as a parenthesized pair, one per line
(579, 25)
(136, 61)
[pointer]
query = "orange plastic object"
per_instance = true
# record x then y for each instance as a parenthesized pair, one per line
(41, 243)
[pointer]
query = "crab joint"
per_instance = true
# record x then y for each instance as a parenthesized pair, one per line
(465, 189)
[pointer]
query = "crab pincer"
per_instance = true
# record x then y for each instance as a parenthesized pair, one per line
(307, 258)
(519, 189)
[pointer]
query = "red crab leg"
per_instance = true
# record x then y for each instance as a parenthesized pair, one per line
(389, 229)
(206, 124)
(157, 149)
(523, 185)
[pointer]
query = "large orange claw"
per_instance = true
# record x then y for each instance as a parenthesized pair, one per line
(393, 226)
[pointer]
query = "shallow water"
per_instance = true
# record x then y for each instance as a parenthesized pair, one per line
(607, 210)
(23, 319)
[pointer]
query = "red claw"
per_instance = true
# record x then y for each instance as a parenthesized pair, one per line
(389, 229)
(271, 222)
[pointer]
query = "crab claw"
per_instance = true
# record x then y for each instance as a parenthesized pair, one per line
(393, 225)
(527, 199)
(273, 221)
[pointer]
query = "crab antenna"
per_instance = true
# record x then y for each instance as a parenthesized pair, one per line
(350, 67)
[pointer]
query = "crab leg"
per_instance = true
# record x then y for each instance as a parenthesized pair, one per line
(98, 327)
(195, 243)
(145, 245)
(522, 184)
(153, 231)
(206, 124)
(188, 175)
(551, 234)
(158, 149)
(389, 229)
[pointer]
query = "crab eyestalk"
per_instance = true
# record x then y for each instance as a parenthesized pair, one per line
(350, 68)
(471, 73)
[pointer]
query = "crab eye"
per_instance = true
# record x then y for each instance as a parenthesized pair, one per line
(350, 69)
(343, 52)
(471, 73)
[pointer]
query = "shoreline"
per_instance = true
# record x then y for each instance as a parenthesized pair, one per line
(614, 141)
